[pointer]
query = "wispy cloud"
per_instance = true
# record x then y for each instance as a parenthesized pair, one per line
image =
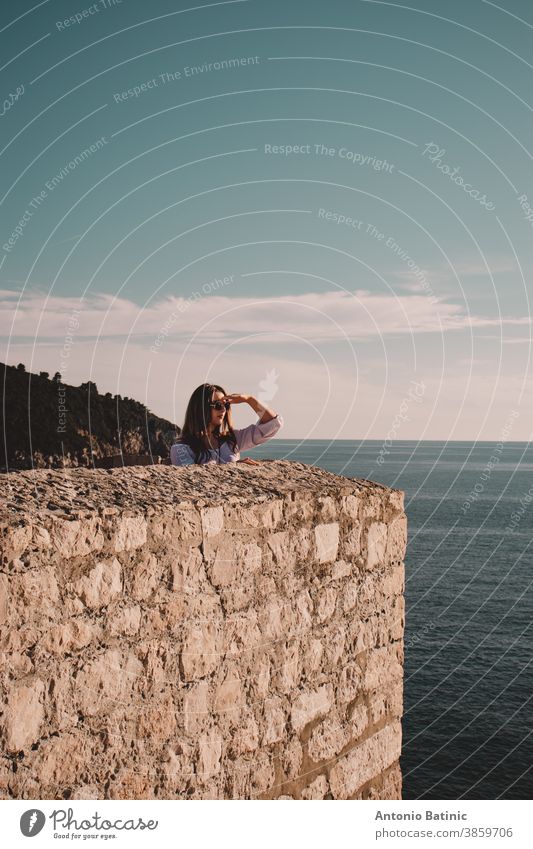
(323, 316)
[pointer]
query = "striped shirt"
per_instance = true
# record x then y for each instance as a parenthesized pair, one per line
(255, 434)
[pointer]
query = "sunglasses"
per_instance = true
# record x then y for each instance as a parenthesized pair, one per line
(220, 405)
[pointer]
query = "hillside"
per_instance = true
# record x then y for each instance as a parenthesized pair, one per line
(48, 424)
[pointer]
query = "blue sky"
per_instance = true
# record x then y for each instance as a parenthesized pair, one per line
(344, 186)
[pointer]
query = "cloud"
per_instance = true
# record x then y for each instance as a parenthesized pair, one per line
(460, 269)
(213, 318)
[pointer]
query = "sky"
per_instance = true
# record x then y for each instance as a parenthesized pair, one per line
(326, 206)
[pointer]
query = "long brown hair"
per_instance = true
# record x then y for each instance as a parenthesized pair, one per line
(198, 416)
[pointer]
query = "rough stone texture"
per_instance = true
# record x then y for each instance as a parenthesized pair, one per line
(219, 632)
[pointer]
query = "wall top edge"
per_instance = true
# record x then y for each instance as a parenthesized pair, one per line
(75, 493)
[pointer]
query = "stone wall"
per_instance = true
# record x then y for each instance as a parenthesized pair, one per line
(216, 632)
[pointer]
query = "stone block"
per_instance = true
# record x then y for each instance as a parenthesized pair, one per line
(201, 650)
(392, 583)
(187, 571)
(383, 667)
(15, 541)
(40, 537)
(313, 654)
(271, 514)
(350, 683)
(212, 519)
(285, 674)
(147, 576)
(60, 701)
(334, 646)
(387, 701)
(362, 635)
(86, 791)
(241, 633)
(70, 636)
(124, 622)
(237, 517)
(131, 783)
(357, 720)
(328, 739)
(130, 532)
(299, 508)
(283, 552)
(311, 704)
(396, 619)
(351, 542)
(341, 569)
(372, 506)
(365, 761)
(229, 696)
(325, 604)
(106, 683)
(231, 558)
(395, 503)
(209, 754)
(318, 789)
(397, 540)
(260, 682)
(197, 707)
(350, 505)
(61, 761)
(303, 614)
(77, 537)
(350, 595)
(275, 721)
(34, 596)
(178, 765)
(286, 549)
(156, 722)
(171, 527)
(291, 758)
(327, 508)
(251, 776)
(271, 620)
(376, 543)
(327, 542)
(386, 786)
(24, 713)
(101, 584)
(246, 735)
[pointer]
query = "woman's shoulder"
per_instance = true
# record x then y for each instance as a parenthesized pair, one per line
(180, 443)
(181, 454)
(181, 447)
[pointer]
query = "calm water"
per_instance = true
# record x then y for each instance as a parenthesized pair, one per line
(467, 727)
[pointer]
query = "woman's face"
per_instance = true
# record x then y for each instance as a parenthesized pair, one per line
(217, 416)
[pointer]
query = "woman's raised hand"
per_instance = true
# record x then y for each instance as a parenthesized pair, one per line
(237, 398)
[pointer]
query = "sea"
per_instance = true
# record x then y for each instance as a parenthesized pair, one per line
(467, 729)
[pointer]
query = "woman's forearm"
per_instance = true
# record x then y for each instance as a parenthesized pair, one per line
(261, 409)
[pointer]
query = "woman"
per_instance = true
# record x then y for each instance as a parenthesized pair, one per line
(208, 435)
